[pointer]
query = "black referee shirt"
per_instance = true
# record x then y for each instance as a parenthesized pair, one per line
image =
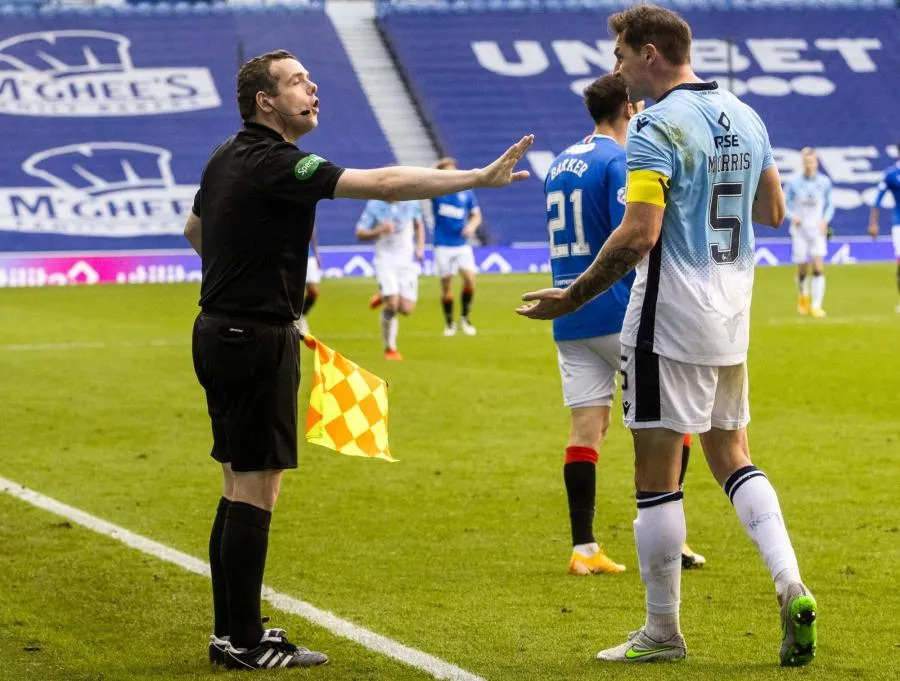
(257, 205)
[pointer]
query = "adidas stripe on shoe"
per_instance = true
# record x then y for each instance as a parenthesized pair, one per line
(273, 652)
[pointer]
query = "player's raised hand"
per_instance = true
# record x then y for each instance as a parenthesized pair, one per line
(501, 172)
(551, 303)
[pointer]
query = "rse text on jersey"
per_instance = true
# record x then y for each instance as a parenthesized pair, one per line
(728, 162)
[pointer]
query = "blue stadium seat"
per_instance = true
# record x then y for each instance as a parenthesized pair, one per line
(817, 95)
(161, 69)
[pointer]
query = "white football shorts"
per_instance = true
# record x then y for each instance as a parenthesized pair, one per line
(313, 273)
(807, 244)
(659, 392)
(588, 368)
(397, 278)
(895, 236)
(448, 260)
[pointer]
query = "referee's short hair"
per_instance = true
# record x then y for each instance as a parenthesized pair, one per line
(254, 76)
(604, 97)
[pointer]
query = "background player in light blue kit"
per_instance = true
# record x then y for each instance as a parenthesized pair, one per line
(890, 183)
(585, 195)
(456, 217)
(700, 171)
(398, 230)
(810, 209)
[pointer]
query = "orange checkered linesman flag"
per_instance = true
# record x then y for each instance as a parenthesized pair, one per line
(348, 406)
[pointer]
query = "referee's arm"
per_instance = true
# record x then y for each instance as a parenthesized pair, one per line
(406, 183)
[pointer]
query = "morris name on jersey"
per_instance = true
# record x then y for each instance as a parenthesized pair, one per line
(691, 298)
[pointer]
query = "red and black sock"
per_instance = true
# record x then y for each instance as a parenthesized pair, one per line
(467, 295)
(580, 475)
(447, 302)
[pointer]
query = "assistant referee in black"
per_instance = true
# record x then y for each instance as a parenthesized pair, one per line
(251, 224)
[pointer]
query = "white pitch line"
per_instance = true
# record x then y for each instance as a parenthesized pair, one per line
(435, 666)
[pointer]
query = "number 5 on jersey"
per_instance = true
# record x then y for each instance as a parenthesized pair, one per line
(725, 223)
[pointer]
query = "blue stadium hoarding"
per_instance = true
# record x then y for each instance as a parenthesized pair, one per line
(109, 119)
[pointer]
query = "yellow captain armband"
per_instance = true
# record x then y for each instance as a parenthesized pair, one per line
(647, 186)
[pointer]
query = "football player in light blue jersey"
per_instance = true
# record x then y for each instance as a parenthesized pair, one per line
(890, 183)
(585, 196)
(456, 217)
(398, 230)
(700, 172)
(313, 279)
(810, 209)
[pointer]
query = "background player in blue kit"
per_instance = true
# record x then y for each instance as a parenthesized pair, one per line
(890, 183)
(456, 217)
(585, 192)
(700, 172)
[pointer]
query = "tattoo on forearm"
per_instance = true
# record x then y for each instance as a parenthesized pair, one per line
(605, 271)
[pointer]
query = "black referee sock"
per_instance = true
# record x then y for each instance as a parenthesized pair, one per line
(220, 593)
(244, 545)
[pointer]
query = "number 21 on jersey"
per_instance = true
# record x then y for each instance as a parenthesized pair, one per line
(556, 223)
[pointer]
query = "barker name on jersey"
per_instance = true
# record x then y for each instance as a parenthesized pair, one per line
(585, 203)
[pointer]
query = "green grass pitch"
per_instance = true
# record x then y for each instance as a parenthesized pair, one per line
(460, 549)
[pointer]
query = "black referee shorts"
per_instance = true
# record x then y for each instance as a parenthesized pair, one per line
(251, 373)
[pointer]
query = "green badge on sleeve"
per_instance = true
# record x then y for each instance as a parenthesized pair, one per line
(307, 166)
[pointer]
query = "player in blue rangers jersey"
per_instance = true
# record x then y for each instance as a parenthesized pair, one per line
(585, 196)
(890, 183)
(456, 217)
(700, 171)
(810, 209)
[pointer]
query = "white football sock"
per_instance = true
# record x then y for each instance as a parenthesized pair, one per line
(389, 327)
(659, 533)
(586, 550)
(757, 506)
(818, 290)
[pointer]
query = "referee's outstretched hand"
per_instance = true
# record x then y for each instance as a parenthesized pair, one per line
(500, 173)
